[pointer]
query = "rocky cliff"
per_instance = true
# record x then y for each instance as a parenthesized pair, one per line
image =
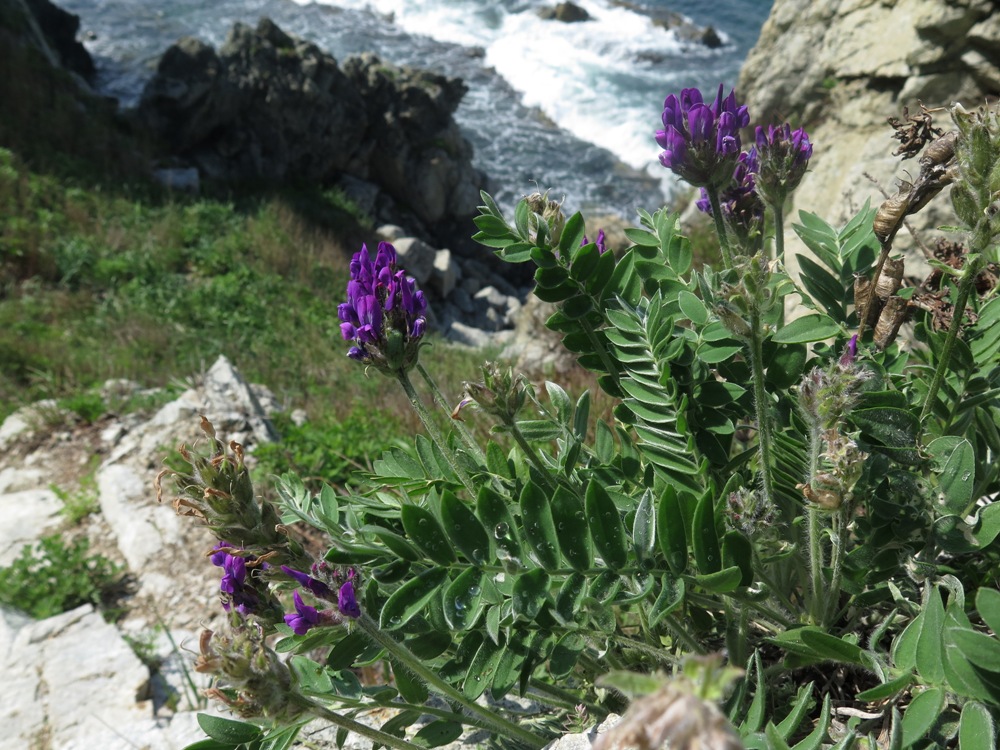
(842, 67)
(271, 107)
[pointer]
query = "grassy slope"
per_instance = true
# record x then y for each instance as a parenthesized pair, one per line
(105, 275)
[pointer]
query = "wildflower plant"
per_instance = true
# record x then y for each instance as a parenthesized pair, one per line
(785, 537)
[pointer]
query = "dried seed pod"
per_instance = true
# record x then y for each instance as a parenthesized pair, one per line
(890, 215)
(862, 293)
(893, 315)
(941, 150)
(890, 279)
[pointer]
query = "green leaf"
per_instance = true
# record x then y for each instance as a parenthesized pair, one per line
(642, 237)
(722, 581)
(806, 329)
(705, 537)
(539, 528)
(755, 714)
(644, 528)
(411, 688)
(815, 739)
(830, 647)
(482, 669)
(929, 658)
(560, 400)
(425, 531)
(670, 598)
(980, 649)
(774, 739)
(954, 459)
(346, 651)
(496, 517)
(738, 550)
(904, 649)
(464, 529)
(604, 442)
(988, 606)
(569, 597)
(606, 526)
(886, 689)
(571, 529)
(976, 728)
(670, 530)
(922, 713)
(531, 592)
(565, 654)
(410, 598)
(896, 429)
(572, 234)
(463, 599)
(693, 308)
(437, 733)
(312, 677)
(227, 730)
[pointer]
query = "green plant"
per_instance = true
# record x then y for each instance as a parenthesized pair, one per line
(82, 502)
(807, 498)
(57, 575)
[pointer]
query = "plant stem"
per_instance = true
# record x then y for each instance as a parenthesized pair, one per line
(815, 534)
(435, 433)
(376, 736)
(965, 286)
(720, 227)
(467, 437)
(779, 232)
(839, 524)
(760, 403)
(530, 452)
(407, 659)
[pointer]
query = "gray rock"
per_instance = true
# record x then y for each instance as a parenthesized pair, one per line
(184, 179)
(470, 285)
(444, 273)
(461, 299)
(417, 257)
(464, 334)
(28, 515)
(491, 296)
(390, 233)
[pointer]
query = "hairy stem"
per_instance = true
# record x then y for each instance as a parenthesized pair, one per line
(720, 227)
(377, 737)
(815, 532)
(467, 437)
(761, 404)
(408, 660)
(965, 287)
(435, 433)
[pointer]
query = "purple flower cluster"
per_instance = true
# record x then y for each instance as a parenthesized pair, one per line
(783, 156)
(701, 141)
(383, 314)
(742, 208)
(305, 617)
(237, 592)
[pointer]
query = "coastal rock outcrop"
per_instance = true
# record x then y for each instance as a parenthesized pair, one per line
(271, 107)
(841, 68)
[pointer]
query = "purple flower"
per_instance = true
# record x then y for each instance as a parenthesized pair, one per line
(237, 591)
(701, 141)
(601, 242)
(783, 156)
(347, 603)
(306, 581)
(741, 206)
(384, 312)
(850, 352)
(304, 617)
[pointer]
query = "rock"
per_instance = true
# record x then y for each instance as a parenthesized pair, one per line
(184, 179)
(491, 296)
(583, 740)
(565, 12)
(28, 515)
(72, 682)
(390, 233)
(444, 274)
(60, 28)
(467, 335)
(416, 256)
(847, 66)
(269, 106)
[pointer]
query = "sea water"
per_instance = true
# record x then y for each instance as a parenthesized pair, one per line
(565, 107)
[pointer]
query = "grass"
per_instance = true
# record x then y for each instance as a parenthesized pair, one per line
(104, 274)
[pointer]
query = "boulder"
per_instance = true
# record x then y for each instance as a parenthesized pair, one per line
(564, 12)
(60, 28)
(841, 68)
(269, 106)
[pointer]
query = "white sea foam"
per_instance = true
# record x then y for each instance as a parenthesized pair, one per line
(603, 80)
